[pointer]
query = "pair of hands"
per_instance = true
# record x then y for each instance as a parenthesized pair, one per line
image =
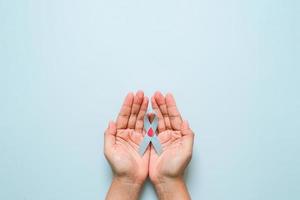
(122, 139)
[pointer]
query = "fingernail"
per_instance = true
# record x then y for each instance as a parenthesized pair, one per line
(140, 93)
(168, 94)
(129, 94)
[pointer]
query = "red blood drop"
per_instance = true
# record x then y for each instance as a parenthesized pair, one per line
(150, 132)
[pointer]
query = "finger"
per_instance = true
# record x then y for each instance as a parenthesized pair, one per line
(140, 117)
(161, 102)
(161, 122)
(110, 136)
(125, 111)
(137, 102)
(188, 137)
(185, 129)
(173, 112)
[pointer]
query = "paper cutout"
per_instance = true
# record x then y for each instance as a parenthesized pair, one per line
(150, 136)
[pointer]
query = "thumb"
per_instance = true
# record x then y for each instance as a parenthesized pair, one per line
(185, 128)
(188, 136)
(110, 135)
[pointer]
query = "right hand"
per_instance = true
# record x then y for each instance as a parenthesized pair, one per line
(122, 141)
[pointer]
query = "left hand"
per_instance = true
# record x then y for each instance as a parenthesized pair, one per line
(176, 138)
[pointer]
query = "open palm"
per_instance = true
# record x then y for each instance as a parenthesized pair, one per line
(123, 139)
(176, 138)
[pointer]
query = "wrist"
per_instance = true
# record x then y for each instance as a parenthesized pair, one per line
(126, 189)
(171, 188)
(168, 181)
(136, 183)
(162, 179)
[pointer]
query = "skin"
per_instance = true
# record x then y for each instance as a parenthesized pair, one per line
(122, 140)
(121, 145)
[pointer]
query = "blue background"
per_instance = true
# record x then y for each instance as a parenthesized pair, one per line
(233, 66)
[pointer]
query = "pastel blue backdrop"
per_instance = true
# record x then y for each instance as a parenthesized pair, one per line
(233, 66)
